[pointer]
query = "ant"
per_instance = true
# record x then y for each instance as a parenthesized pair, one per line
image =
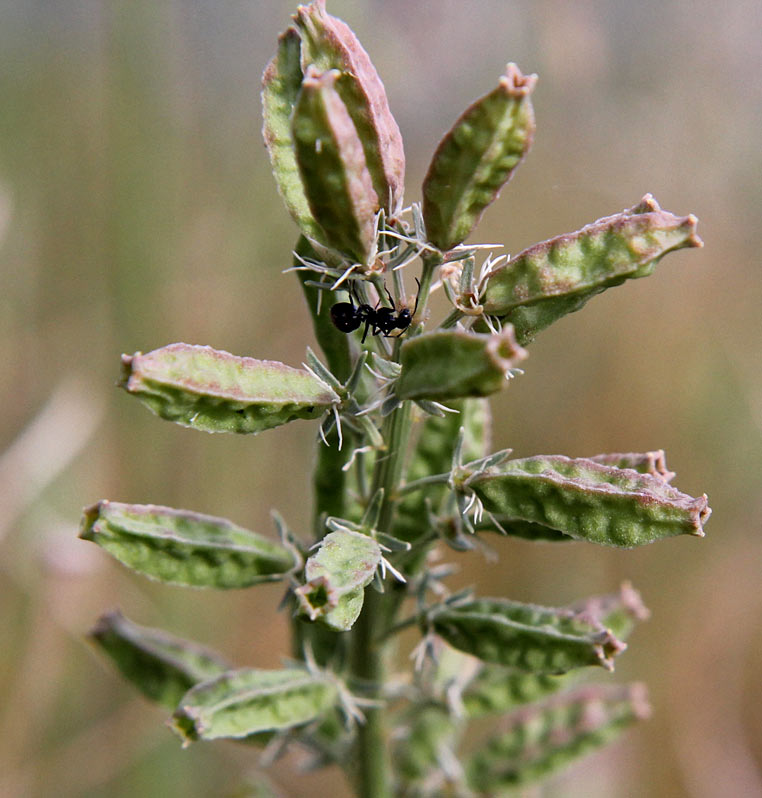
(347, 317)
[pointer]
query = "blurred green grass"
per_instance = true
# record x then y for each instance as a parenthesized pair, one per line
(137, 209)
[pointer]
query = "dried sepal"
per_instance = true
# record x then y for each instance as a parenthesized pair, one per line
(476, 158)
(180, 547)
(550, 279)
(214, 391)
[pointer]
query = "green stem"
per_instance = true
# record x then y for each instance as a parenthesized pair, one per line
(368, 653)
(454, 317)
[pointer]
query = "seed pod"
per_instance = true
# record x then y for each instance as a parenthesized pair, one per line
(214, 391)
(248, 701)
(328, 43)
(332, 165)
(281, 83)
(477, 158)
(589, 501)
(161, 666)
(451, 364)
(654, 463)
(543, 738)
(525, 637)
(548, 280)
(180, 547)
(424, 748)
(496, 689)
(336, 577)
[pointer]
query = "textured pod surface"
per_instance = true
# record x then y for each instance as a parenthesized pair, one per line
(214, 391)
(248, 701)
(654, 463)
(332, 164)
(496, 689)
(589, 501)
(161, 666)
(452, 364)
(180, 547)
(526, 637)
(543, 738)
(336, 577)
(476, 158)
(548, 280)
(281, 83)
(329, 43)
(423, 744)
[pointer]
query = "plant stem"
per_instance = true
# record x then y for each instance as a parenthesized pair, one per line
(368, 654)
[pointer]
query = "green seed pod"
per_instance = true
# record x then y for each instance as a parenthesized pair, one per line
(516, 528)
(336, 577)
(332, 164)
(281, 83)
(495, 690)
(214, 391)
(525, 637)
(548, 280)
(451, 364)
(424, 748)
(433, 455)
(543, 738)
(180, 547)
(248, 701)
(161, 666)
(477, 158)
(328, 43)
(588, 500)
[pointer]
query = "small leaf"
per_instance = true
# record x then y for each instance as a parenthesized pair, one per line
(161, 666)
(548, 280)
(214, 391)
(336, 577)
(476, 158)
(332, 164)
(329, 43)
(526, 637)
(589, 501)
(543, 738)
(452, 364)
(180, 547)
(248, 701)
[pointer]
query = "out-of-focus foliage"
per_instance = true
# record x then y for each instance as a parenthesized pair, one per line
(137, 208)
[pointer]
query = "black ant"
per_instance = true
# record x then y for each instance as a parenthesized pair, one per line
(347, 317)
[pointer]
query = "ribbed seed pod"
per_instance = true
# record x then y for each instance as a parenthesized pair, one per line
(214, 391)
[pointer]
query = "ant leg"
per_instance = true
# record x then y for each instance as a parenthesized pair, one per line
(391, 299)
(416, 298)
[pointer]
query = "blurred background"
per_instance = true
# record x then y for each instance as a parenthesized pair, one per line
(137, 209)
